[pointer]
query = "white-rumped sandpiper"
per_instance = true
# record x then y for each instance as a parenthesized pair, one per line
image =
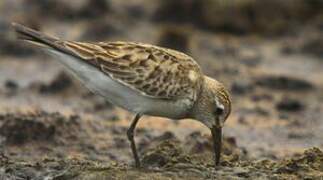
(144, 79)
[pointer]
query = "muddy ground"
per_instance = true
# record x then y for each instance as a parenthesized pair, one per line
(268, 53)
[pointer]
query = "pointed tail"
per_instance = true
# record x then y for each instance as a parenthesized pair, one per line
(39, 38)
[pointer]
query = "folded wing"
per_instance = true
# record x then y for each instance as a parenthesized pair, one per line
(151, 70)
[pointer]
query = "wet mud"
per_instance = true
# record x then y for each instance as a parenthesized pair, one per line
(52, 127)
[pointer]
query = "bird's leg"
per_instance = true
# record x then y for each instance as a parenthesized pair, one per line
(130, 133)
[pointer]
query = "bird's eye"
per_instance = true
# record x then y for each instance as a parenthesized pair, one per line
(218, 111)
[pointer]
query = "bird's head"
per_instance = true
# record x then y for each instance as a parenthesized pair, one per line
(212, 108)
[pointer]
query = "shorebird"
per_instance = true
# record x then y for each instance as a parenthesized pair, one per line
(143, 79)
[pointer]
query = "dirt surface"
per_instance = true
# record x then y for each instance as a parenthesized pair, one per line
(51, 127)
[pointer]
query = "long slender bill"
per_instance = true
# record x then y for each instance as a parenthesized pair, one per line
(217, 143)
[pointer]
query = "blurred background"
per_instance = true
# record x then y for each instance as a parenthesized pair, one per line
(268, 53)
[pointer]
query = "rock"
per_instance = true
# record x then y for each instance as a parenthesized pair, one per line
(284, 83)
(290, 105)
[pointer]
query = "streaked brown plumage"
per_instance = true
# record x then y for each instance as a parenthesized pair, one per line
(140, 66)
(144, 79)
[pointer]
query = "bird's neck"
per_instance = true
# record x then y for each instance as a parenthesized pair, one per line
(201, 103)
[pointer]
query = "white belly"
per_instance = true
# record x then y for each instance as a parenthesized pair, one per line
(119, 94)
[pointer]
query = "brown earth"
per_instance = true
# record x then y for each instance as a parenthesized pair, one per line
(52, 127)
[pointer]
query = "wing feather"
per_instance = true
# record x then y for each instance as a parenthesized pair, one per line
(153, 71)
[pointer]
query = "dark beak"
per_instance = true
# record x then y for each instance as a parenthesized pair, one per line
(217, 143)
